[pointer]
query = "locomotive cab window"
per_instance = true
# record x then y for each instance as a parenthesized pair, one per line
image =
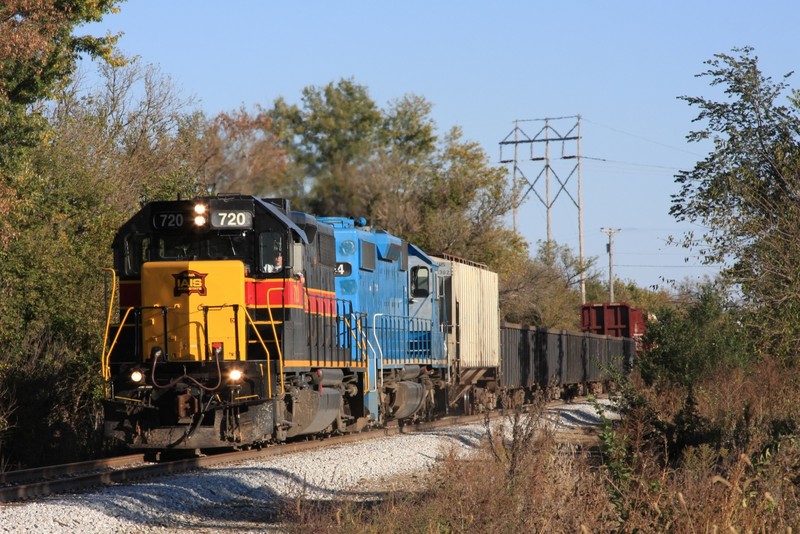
(271, 252)
(177, 247)
(420, 282)
(232, 246)
(137, 251)
(368, 256)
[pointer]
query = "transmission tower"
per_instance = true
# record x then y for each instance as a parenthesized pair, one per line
(521, 186)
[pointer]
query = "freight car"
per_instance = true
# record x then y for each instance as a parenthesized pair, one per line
(617, 319)
(240, 322)
(560, 362)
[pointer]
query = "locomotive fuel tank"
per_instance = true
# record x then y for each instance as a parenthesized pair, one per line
(315, 409)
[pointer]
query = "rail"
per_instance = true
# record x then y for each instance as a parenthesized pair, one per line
(24, 487)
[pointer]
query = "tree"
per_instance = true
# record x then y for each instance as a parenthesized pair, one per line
(332, 139)
(389, 166)
(746, 192)
(243, 155)
(544, 291)
(38, 54)
(106, 151)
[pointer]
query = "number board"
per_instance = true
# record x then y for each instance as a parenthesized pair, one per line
(170, 220)
(343, 269)
(234, 219)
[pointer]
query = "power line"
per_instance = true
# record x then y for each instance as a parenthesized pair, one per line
(623, 132)
(700, 266)
(631, 164)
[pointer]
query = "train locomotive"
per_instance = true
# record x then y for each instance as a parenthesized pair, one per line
(239, 322)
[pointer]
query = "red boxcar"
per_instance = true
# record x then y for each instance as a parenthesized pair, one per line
(616, 319)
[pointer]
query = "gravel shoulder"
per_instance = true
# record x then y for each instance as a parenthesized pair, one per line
(245, 497)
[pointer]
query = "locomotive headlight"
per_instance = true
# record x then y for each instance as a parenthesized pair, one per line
(235, 375)
(199, 214)
(136, 376)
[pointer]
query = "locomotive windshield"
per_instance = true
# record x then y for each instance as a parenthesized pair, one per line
(208, 247)
(260, 234)
(263, 252)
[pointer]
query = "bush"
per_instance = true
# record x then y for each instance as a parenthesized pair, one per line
(55, 418)
(685, 345)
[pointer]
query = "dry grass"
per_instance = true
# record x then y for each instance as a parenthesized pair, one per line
(521, 480)
(724, 459)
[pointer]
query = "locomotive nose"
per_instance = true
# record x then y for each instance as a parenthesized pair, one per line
(190, 309)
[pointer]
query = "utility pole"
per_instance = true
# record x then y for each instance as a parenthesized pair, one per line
(521, 186)
(610, 249)
(580, 215)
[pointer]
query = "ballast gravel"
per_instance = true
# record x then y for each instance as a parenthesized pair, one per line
(245, 497)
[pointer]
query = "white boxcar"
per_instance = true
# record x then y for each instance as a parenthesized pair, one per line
(471, 313)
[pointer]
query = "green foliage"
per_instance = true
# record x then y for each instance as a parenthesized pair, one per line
(38, 55)
(332, 138)
(614, 446)
(389, 166)
(746, 192)
(684, 346)
(105, 152)
(352, 157)
(461, 204)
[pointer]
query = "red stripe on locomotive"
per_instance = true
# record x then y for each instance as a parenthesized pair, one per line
(289, 293)
(258, 294)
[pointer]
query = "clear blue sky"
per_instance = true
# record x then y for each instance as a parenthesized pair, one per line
(483, 65)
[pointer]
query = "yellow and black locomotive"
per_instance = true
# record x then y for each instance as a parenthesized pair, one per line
(229, 331)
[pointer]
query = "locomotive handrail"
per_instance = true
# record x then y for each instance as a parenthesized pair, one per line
(264, 346)
(106, 371)
(236, 336)
(275, 334)
(362, 343)
(235, 327)
(378, 343)
(106, 356)
(364, 340)
(370, 347)
(421, 351)
(365, 354)
(446, 350)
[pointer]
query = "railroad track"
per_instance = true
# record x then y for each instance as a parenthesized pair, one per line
(41, 482)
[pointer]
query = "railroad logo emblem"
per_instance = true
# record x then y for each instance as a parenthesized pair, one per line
(188, 282)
